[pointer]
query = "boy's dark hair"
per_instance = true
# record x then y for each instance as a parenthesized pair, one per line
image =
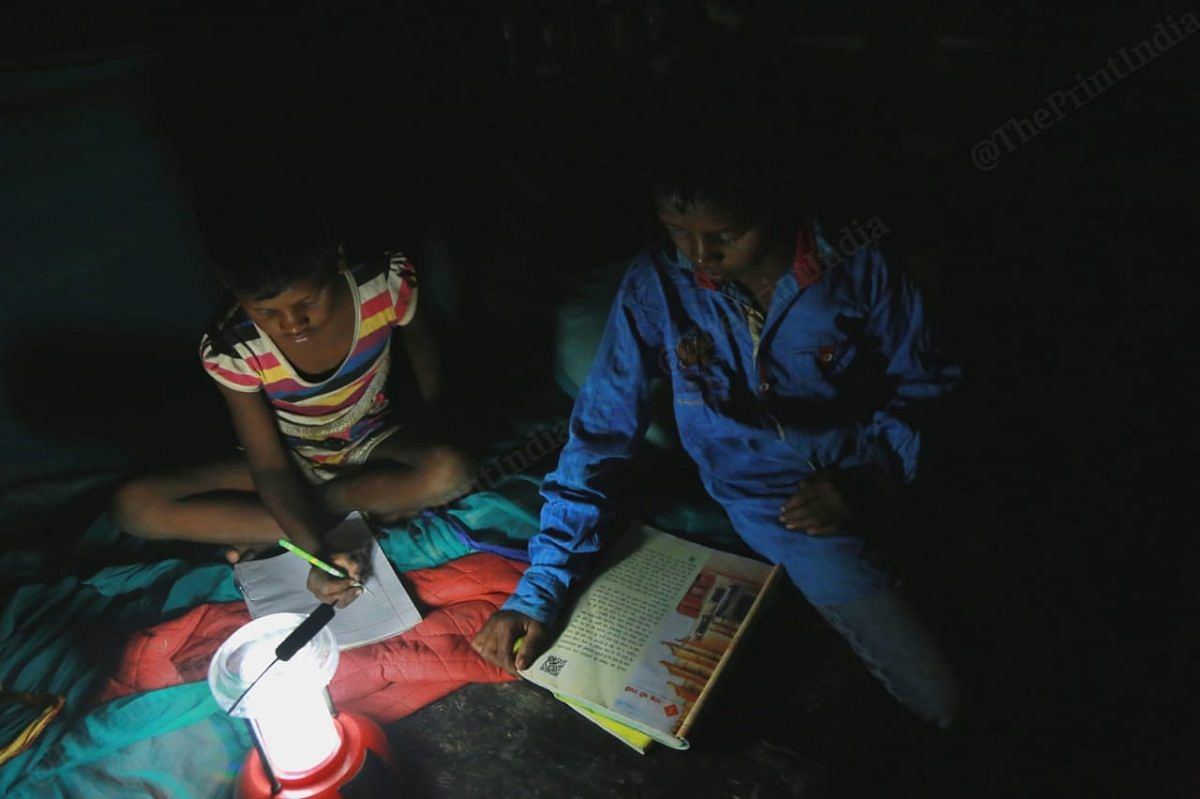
(716, 170)
(728, 139)
(259, 250)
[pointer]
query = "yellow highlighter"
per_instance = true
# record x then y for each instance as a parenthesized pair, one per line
(320, 564)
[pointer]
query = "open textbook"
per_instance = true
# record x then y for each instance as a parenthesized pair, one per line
(647, 639)
(279, 584)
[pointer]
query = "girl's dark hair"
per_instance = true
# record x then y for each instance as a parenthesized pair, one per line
(259, 250)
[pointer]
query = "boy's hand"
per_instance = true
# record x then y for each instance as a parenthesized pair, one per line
(818, 508)
(496, 640)
(328, 588)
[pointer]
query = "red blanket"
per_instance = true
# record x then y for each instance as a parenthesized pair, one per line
(384, 681)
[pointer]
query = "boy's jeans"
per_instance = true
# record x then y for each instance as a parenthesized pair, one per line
(880, 625)
(885, 632)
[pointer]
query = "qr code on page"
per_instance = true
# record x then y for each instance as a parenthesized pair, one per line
(553, 665)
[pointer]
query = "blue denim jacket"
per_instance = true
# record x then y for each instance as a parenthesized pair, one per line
(838, 363)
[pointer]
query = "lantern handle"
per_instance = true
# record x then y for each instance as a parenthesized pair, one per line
(297, 638)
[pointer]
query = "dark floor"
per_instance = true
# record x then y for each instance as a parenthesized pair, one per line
(796, 716)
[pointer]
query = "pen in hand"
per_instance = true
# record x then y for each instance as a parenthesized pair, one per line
(320, 564)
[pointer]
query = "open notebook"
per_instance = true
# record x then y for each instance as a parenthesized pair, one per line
(278, 585)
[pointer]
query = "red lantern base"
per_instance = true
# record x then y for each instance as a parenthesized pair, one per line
(362, 766)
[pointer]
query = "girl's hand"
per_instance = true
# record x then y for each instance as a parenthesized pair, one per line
(341, 591)
(818, 508)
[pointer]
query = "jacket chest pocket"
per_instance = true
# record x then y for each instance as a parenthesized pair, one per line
(822, 362)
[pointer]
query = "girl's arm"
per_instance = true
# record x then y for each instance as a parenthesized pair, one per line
(423, 355)
(280, 486)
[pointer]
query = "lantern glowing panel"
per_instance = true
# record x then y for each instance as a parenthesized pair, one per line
(287, 709)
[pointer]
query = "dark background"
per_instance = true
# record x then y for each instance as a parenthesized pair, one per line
(507, 165)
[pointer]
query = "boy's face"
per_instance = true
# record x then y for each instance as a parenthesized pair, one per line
(720, 245)
(297, 314)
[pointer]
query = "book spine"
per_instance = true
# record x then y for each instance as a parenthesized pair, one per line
(694, 712)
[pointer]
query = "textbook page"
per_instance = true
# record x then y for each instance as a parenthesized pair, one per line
(278, 585)
(652, 630)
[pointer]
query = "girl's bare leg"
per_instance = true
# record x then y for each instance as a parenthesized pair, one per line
(400, 479)
(215, 503)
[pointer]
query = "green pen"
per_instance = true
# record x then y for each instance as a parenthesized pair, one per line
(320, 564)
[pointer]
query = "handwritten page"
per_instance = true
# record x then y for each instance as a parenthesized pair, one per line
(278, 585)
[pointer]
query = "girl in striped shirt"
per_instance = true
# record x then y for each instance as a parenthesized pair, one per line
(302, 361)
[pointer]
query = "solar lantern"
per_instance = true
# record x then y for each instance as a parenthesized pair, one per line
(275, 672)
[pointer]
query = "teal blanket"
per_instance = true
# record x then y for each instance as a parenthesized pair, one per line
(60, 635)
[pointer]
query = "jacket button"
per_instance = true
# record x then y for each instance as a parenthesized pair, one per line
(764, 387)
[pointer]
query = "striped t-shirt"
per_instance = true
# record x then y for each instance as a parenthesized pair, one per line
(323, 422)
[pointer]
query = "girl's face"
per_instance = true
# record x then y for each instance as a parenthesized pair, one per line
(718, 244)
(297, 314)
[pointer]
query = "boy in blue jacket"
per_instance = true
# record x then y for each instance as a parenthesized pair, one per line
(795, 368)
